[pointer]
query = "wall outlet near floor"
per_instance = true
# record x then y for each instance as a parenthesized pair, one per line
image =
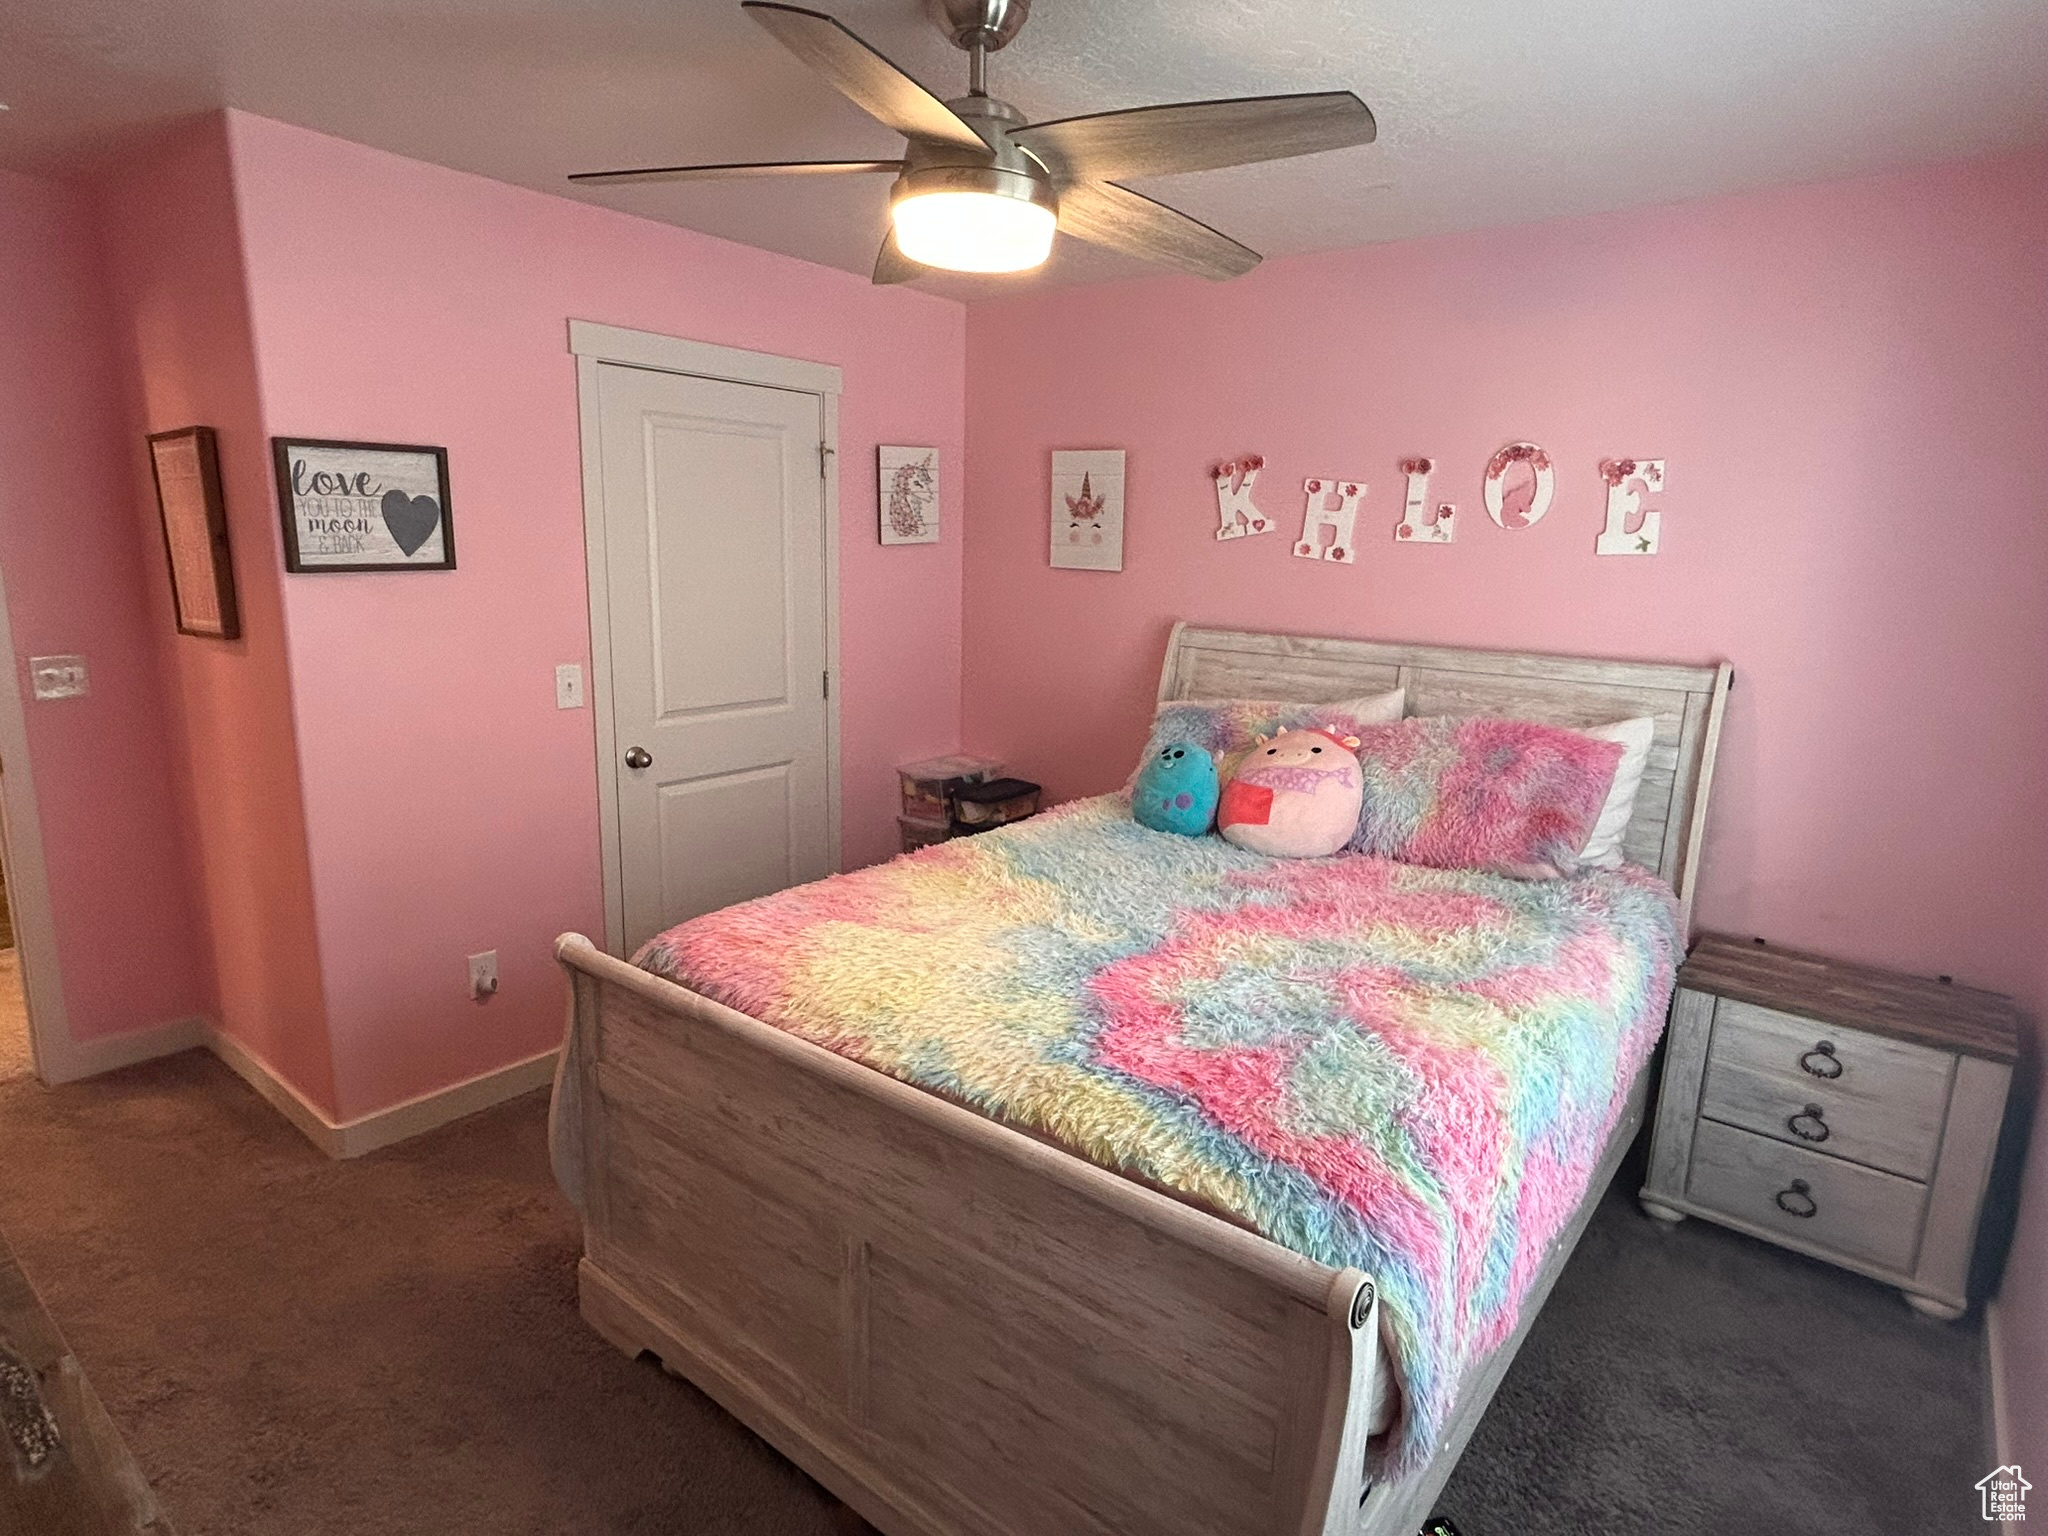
(483, 974)
(569, 686)
(58, 677)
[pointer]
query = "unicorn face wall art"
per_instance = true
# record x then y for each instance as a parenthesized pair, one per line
(1088, 510)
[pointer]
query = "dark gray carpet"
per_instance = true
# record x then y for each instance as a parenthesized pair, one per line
(1693, 1382)
(296, 1347)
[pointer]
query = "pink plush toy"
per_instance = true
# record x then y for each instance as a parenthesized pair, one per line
(1295, 795)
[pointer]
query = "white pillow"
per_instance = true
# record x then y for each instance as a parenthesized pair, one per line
(1603, 843)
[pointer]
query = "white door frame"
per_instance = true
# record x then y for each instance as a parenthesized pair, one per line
(593, 344)
(28, 883)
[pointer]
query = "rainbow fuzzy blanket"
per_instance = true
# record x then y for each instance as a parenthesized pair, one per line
(1409, 1070)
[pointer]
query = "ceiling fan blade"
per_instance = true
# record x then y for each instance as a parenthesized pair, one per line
(862, 75)
(892, 266)
(1103, 213)
(1198, 135)
(739, 168)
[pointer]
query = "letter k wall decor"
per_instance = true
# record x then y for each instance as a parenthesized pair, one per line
(363, 506)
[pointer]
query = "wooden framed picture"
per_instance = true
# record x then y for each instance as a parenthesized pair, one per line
(363, 506)
(186, 466)
(907, 491)
(1088, 509)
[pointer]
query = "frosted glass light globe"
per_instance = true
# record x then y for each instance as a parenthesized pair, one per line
(973, 231)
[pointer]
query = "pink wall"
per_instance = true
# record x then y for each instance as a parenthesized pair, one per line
(76, 571)
(450, 806)
(169, 224)
(1850, 383)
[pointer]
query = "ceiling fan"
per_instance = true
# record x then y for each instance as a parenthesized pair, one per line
(980, 189)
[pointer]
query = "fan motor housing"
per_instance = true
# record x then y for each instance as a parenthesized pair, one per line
(976, 178)
(1002, 168)
(985, 24)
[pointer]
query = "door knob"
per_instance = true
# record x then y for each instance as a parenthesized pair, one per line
(639, 757)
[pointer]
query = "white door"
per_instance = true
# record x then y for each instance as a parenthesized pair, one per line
(714, 539)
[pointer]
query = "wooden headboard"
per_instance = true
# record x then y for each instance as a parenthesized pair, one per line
(1671, 808)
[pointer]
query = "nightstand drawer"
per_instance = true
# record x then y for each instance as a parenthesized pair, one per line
(1856, 1213)
(1882, 1101)
(1902, 1137)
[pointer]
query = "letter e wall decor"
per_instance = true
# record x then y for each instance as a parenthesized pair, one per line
(1624, 502)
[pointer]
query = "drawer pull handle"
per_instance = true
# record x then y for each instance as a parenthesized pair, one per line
(1797, 1201)
(1821, 1062)
(1807, 1125)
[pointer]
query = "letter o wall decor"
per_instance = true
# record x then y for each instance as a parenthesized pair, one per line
(1511, 510)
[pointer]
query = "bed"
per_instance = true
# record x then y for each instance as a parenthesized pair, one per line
(958, 1327)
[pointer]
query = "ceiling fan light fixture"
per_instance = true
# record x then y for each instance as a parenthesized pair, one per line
(981, 188)
(973, 219)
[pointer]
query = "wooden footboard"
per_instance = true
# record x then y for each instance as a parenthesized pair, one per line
(954, 1328)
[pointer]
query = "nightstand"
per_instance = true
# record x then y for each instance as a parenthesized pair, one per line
(1837, 1110)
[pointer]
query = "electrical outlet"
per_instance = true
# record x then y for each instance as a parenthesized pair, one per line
(483, 974)
(569, 686)
(58, 677)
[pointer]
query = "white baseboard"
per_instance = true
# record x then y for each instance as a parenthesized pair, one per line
(415, 1116)
(277, 1092)
(383, 1127)
(72, 1060)
(1994, 1349)
(2001, 1422)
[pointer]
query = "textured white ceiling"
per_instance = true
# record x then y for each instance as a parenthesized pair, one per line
(1490, 112)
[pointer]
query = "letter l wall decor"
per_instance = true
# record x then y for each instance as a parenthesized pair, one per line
(1415, 526)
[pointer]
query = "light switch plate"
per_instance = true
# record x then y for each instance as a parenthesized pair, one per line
(569, 686)
(58, 677)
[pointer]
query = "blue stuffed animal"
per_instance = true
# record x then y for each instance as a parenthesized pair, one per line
(1176, 791)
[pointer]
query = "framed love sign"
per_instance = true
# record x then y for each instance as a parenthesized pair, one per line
(363, 506)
